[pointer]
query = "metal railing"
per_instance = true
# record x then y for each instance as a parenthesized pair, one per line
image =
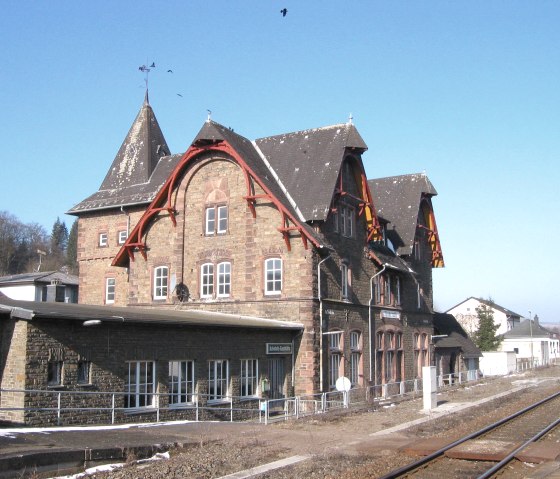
(56, 407)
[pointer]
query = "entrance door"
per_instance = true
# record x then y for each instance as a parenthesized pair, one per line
(277, 377)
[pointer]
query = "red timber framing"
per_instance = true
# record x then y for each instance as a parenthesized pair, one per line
(164, 202)
(433, 236)
(365, 202)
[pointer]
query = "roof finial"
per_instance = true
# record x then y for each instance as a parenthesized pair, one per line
(209, 117)
(350, 118)
(146, 70)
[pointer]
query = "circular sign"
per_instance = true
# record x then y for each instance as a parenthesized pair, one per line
(343, 384)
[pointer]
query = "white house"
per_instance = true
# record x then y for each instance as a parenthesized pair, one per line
(466, 315)
(51, 286)
(530, 341)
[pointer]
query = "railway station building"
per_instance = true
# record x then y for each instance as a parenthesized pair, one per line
(237, 269)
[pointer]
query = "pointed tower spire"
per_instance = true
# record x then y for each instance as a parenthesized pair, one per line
(139, 153)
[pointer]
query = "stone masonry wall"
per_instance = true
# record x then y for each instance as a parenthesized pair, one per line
(13, 367)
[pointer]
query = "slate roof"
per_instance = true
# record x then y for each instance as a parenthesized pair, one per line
(397, 199)
(308, 162)
(384, 256)
(456, 336)
(526, 329)
(139, 169)
(29, 310)
(490, 304)
(46, 277)
(212, 131)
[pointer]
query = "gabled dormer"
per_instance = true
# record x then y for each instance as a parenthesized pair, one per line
(405, 203)
(322, 170)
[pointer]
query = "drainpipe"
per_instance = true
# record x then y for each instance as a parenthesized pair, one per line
(371, 345)
(320, 321)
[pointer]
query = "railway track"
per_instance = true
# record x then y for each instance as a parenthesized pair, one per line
(487, 452)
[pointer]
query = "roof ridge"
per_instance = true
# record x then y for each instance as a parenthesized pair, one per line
(278, 181)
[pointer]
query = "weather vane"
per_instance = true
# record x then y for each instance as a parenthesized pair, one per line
(146, 70)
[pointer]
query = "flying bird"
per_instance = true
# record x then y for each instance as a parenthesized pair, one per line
(284, 11)
(178, 94)
(153, 65)
(169, 71)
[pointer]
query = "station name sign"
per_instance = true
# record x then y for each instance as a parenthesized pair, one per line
(390, 314)
(278, 348)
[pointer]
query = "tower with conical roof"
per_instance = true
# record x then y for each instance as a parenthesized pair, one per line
(139, 169)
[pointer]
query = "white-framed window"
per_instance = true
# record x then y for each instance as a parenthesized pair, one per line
(346, 221)
(54, 373)
(335, 358)
(110, 290)
(345, 281)
(216, 220)
(103, 239)
(224, 279)
(355, 357)
(141, 384)
(181, 382)
(218, 379)
(273, 276)
(161, 281)
(207, 280)
(249, 377)
(84, 372)
(397, 290)
(123, 235)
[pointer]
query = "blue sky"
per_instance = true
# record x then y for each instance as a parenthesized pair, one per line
(466, 91)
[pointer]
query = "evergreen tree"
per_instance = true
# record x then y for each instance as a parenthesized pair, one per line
(72, 249)
(485, 336)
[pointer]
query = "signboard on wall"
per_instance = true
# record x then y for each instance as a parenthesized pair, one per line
(278, 348)
(385, 313)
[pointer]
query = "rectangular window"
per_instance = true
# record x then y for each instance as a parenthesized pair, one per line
(387, 293)
(181, 382)
(110, 290)
(161, 278)
(218, 378)
(103, 239)
(397, 291)
(249, 377)
(84, 372)
(210, 221)
(216, 220)
(123, 235)
(54, 373)
(224, 279)
(141, 384)
(347, 221)
(273, 276)
(222, 219)
(207, 280)
(335, 361)
(344, 290)
(378, 284)
(355, 357)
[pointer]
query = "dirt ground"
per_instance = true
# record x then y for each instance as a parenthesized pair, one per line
(340, 443)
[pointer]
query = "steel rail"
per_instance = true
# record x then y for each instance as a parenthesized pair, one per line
(440, 452)
(512, 454)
